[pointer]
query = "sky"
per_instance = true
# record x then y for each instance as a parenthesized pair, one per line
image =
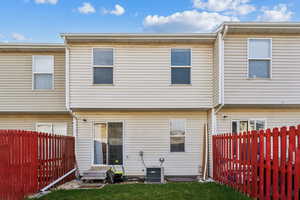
(43, 20)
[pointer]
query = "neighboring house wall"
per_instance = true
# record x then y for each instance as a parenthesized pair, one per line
(274, 117)
(147, 131)
(284, 85)
(16, 90)
(29, 121)
(142, 76)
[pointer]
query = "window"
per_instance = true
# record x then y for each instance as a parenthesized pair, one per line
(42, 69)
(181, 66)
(52, 128)
(239, 126)
(177, 135)
(260, 57)
(103, 65)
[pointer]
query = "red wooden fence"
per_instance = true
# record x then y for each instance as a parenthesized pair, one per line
(30, 161)
(262, 164)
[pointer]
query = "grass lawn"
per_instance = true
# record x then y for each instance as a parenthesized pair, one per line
(169, 191)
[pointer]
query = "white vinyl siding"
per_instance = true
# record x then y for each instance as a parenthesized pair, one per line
(147, 131)
(283, 87)
(272, 117)
(16, 84)
(42, 69)
(141, 78)
(62, 123)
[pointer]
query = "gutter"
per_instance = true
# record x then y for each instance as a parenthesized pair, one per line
(67, 74)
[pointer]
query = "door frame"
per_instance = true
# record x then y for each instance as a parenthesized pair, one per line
(93, 134)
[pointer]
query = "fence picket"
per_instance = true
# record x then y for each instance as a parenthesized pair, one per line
(275, 164)
(283, 162)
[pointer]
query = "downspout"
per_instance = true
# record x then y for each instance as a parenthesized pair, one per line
(221, 37)
(215, 111)
(75, 119)
(67, 74)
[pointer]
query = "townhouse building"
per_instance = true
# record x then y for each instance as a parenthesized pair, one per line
(141, 100)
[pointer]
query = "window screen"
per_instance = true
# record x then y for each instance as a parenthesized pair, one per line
(43, 81)
(103, 75)
(181, 75)
(259, 68)
(103, 56)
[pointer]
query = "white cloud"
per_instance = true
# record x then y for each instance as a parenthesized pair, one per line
(119, 10)
(86, 8)
(186, 21)
(279, 13)
(46, 1)
(19, 37)
(241, 7)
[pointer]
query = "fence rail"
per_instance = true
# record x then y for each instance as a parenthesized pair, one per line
(264, 164)
(31, 160)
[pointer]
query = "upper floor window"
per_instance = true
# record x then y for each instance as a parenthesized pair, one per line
(42, 68)
(177, 135)
(103, 62)
(260, 57)
(181, 66)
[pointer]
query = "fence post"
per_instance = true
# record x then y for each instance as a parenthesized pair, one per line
(297, 173)
(261, 165)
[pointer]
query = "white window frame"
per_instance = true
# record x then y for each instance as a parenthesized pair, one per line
(248, 120)
(33, 72)
(93, 134)
(184, 66)
(52, 126)
(103, 66)
(170, 136)
(269, 59)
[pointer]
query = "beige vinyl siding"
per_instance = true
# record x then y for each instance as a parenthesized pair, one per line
(216, 80)
(275, 117)
(284, 85)
(142, 77)
(16, 93)
(147, 131)
(29, 121)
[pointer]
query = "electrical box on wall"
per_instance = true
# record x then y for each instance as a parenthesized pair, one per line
(154, 175)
